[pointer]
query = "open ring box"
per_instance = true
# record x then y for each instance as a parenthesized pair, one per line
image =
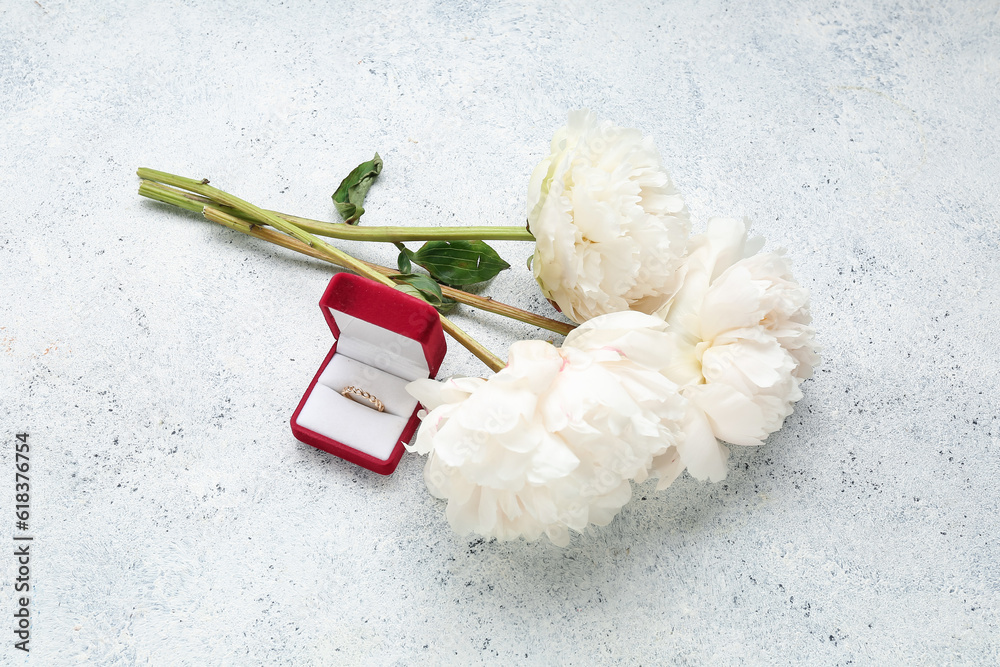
(384, 339)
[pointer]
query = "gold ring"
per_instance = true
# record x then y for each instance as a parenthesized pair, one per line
(352, 391)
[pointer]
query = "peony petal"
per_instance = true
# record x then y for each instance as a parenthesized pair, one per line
(734, 417)
(667, 466)
(427, 392)
(552, 459)
(704, 456)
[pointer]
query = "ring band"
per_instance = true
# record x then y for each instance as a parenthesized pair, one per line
(352, 391)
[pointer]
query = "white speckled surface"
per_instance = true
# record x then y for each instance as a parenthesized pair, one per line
(155, 358)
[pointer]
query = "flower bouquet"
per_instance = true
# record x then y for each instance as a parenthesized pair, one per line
(677, 343)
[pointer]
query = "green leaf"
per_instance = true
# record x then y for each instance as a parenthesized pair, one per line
(411, 290)
(447, 306)
(427, 288)
(459, 262)
(403, 261)
(351, 194)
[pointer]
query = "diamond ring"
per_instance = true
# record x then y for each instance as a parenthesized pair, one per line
(354, 393)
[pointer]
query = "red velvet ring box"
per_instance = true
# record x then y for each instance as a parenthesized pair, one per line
(384, 339)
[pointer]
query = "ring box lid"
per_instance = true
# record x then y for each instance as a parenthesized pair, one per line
(383, 327)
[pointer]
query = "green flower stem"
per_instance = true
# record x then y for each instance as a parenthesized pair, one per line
(249, 210)
(488, 304)
(329, 252)
(336, 230)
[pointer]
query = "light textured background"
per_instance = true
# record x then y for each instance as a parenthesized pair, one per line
(155, 358)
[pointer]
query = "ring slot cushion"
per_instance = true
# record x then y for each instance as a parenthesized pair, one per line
(383, 340)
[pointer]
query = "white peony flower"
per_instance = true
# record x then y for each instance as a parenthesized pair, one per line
(649, 342)
(610, 226)
(548, 444)
(742, 340)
